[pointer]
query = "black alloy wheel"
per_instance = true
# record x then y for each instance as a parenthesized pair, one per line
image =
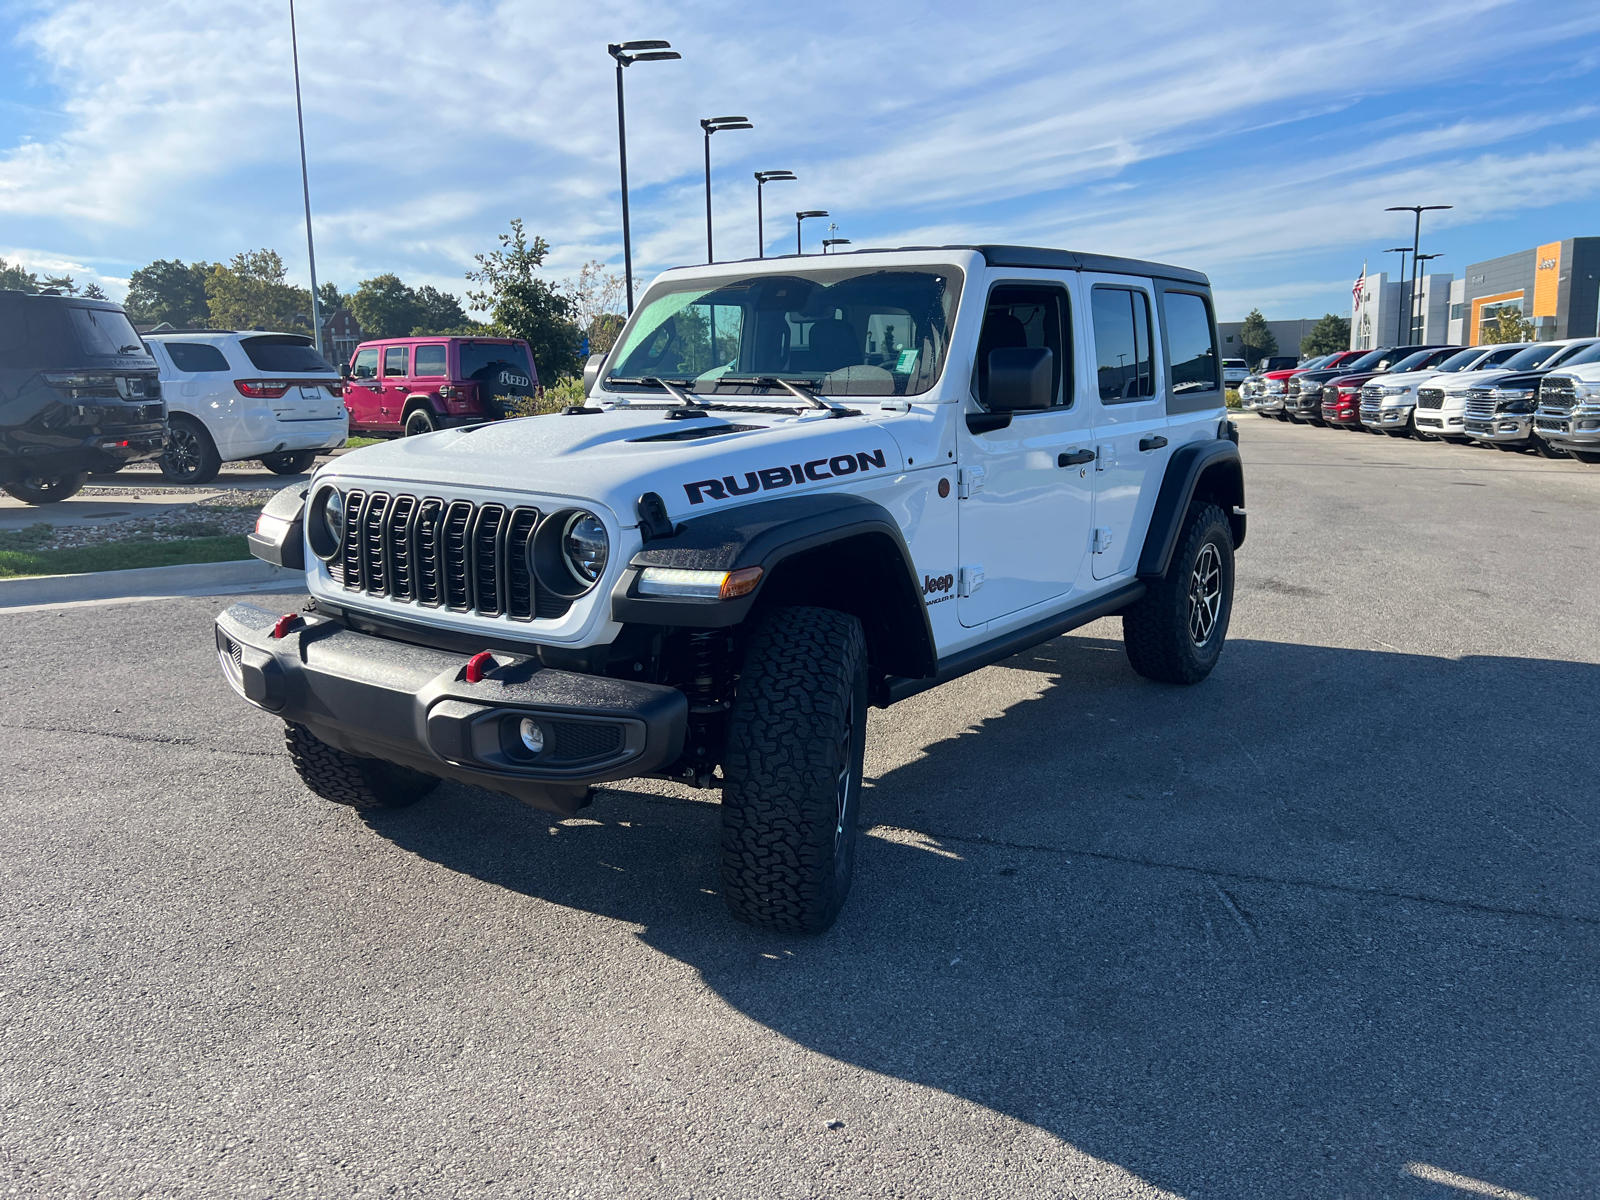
(191, 456)
(420, 421)
(291, 462)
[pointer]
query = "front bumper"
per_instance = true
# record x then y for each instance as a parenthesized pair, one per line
(412, 705)
(1579, 430)
(1502, 427)
(1394, 417)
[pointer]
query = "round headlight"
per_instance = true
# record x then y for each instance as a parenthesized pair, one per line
(585, 546)
(325, 528)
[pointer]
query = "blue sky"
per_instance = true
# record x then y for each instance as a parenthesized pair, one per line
(1259, 142)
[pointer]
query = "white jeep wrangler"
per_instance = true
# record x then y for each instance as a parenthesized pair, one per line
(799, 487)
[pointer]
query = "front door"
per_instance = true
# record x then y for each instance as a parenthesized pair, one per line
(1130, 420)
(1026, 489)
(360, 390)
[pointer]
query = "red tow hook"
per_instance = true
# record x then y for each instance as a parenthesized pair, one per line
(284, 624)
(479, 665)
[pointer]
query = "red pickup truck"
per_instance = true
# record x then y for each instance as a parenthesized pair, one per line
(405, 386)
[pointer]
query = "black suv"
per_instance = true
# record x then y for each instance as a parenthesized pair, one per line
(79, 393)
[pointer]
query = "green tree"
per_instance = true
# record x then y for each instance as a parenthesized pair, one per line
(437, 311)
(331, 298)
(596, 296)
(1257, 338)
(1328, 336)
(61, 283)
(92, 292)
(169, 291)
(384, 306)
(250, 293)
(15, 279)
(526, 306)
(1509, 326)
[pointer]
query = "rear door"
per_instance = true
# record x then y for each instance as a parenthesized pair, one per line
(1025, 487)
(393, 387)
(1131, 441)
(360, 390)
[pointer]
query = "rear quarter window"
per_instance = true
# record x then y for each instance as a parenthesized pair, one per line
(1191, 348)
(195, 358)
(285, 352)
(429, 361)
(35, 334)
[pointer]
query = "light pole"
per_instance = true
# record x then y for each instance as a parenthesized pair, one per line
(305, 183)
(1416, 244)
(1422, 316)
(762, 179)
(800, 217)
(712, 125)
(827, 243)
(626, 53)
(1402, 251)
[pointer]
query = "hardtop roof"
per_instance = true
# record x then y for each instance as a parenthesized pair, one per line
(1017, 256)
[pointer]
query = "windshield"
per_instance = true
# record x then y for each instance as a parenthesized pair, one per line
(285, 352)
(1365, 361)
(105, 331)
(1496, 358)
(1533, 356)
(860, 331)
(1587, 354)
(504, 366)
(1462, 359)
(1314, 363)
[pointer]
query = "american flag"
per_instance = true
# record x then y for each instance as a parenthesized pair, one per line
(1361, 282)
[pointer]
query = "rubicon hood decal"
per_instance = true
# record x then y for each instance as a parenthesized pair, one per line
(771, 478)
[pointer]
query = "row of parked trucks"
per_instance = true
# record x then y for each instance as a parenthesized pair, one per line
(1538, 396)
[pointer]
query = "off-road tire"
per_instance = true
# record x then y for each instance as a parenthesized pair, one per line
(47, 489)
(191, 455)
(1162, 631)
(365, 783)
(420, 421)
(792, 770)
(290, 462)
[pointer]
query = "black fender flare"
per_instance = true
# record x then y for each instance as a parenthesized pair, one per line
(289, 549)
(1210, 469)
(770, 533)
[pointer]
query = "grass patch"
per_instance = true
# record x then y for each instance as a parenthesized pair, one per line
(30, 538)
(121, 556)
(356, 443)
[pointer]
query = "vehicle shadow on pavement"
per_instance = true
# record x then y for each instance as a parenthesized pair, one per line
(1320, 926)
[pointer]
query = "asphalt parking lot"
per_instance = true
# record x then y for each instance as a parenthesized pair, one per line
(1325, 925)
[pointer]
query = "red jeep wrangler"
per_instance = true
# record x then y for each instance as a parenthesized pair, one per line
(404, 386)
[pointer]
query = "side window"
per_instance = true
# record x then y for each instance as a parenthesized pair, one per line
(1022, 315)
(195, 357)
(1123, 368)
(394, 360)
(430, 361)
(1191, 354)
(365, 365)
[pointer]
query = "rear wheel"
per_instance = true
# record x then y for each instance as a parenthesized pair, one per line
(292, 462)
(366, 783)
(191, 455)
(792, 772)
(1174, 634)
(47, 489)
(420, 421)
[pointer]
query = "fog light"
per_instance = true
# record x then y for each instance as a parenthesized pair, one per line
(532, 735)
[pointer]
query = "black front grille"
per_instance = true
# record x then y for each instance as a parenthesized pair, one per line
(443, 554)
(1430, 398)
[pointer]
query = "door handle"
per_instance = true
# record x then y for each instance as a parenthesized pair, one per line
(1152, 443)
(1076, 459)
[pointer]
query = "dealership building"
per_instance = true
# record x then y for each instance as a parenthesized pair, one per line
(1555, 287)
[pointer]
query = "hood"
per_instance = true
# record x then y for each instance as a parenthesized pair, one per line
(1587, 372)
(612, 457)
(1465, 381)
(1405, 379)
(1522, 379)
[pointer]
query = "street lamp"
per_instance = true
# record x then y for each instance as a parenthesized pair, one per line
(1416, 244)
(305, 184)
(1402, 251)
(762, 179)
(827, 242)
(712, 125)
(627, 53)
(1422, 316)
(805, 216)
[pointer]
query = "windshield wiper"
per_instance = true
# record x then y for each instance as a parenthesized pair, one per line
(798, 388)
(131, 350)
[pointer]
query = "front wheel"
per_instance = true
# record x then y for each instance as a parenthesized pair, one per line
(364, 783)
(1174, 634)
(792, 771)
(1546, 450)
(1583, 456)
(290, 462)
(47, 489)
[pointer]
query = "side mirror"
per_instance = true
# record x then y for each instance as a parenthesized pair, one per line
(1021, 379)
(591, 372)
(344, 370)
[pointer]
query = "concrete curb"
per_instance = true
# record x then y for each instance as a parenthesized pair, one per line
(186, 579)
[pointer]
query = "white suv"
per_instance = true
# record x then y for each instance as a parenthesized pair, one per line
(233, 396)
